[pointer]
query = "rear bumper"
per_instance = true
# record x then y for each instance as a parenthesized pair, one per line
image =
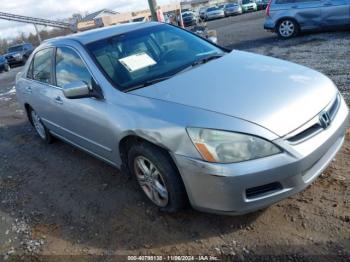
(248, 186)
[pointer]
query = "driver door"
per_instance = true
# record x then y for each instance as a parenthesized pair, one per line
(82, 121)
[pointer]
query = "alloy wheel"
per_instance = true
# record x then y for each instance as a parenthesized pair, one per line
(286, 28)
(151, 181)
(39, 127)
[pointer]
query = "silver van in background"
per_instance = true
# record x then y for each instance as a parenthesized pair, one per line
(288, 17)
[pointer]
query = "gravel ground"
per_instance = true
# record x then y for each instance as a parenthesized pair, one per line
(58, 203)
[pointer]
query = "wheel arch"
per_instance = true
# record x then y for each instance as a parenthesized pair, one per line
(28, 108)
(131, 139)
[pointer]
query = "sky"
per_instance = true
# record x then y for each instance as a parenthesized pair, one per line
(58, 9)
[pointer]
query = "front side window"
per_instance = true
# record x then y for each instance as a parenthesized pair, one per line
(42, 66)
(70, 68)
(140, 56)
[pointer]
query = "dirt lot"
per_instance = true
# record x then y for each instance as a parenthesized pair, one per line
(58, 203)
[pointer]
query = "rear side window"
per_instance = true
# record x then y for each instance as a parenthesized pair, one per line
(42, 66)
(70, 68)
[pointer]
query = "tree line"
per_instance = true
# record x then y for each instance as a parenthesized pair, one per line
(31, 38)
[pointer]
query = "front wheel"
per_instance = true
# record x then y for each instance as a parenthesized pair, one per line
(157, 176)
(7, 68)
(287, 28)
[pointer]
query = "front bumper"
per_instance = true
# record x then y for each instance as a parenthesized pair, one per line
(269, 24)
(234, 12)
(218, 16)
(189, 22)
(249, 8)
(2, 67)
(240, 188)
(15, 61)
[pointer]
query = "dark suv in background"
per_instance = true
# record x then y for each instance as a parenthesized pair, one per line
(18, 54)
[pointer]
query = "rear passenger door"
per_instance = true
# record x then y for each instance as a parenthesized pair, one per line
(38, 90)
(308, 13)
(336, 13)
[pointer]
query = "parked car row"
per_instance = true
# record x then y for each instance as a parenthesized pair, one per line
(232, 8)
(16, 55)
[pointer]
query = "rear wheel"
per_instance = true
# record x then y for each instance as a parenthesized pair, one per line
(39, 127)
(7, 67)
(157, 177)
(287, 28)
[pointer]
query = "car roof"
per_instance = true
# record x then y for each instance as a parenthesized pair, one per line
(101, 33)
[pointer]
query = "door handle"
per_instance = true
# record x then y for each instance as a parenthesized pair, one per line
(28, 90)
(327, 4)
(58, 100)
(294, 6)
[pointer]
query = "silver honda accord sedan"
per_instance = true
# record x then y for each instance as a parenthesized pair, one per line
(230, 132)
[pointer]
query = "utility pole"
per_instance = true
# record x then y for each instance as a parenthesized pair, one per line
(37, 33)
(152, 6)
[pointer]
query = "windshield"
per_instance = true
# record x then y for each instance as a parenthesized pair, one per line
(231, 5)
(16, 48)
(186, 14)
(247, 2)
(140, 56)
(213, 9)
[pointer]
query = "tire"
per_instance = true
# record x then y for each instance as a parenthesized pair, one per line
(39, 127)
(24, 60)
(287, 28)
(163, 186)
(7, 68)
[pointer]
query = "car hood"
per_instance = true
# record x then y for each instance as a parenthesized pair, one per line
(188, 18)
(214, 12)
(275, 94)
(13, 53)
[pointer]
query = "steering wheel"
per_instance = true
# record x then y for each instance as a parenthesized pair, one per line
(173, 55)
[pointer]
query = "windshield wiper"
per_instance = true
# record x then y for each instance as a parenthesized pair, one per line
(206, 59)
(149, 82)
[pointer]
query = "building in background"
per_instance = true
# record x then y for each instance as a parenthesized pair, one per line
(106, 18)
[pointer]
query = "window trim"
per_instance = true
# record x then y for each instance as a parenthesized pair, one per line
(32, 64)
(80, 56)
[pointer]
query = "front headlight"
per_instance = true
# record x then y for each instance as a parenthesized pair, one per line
(18, 56)
(229, 147)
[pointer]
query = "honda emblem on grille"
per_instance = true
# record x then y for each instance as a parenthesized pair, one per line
(325, 119)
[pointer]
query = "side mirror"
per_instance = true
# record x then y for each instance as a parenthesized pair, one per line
(77, 89)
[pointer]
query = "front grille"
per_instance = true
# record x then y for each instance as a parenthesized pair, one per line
(311, 131)
(314, 129)
(259, 191)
